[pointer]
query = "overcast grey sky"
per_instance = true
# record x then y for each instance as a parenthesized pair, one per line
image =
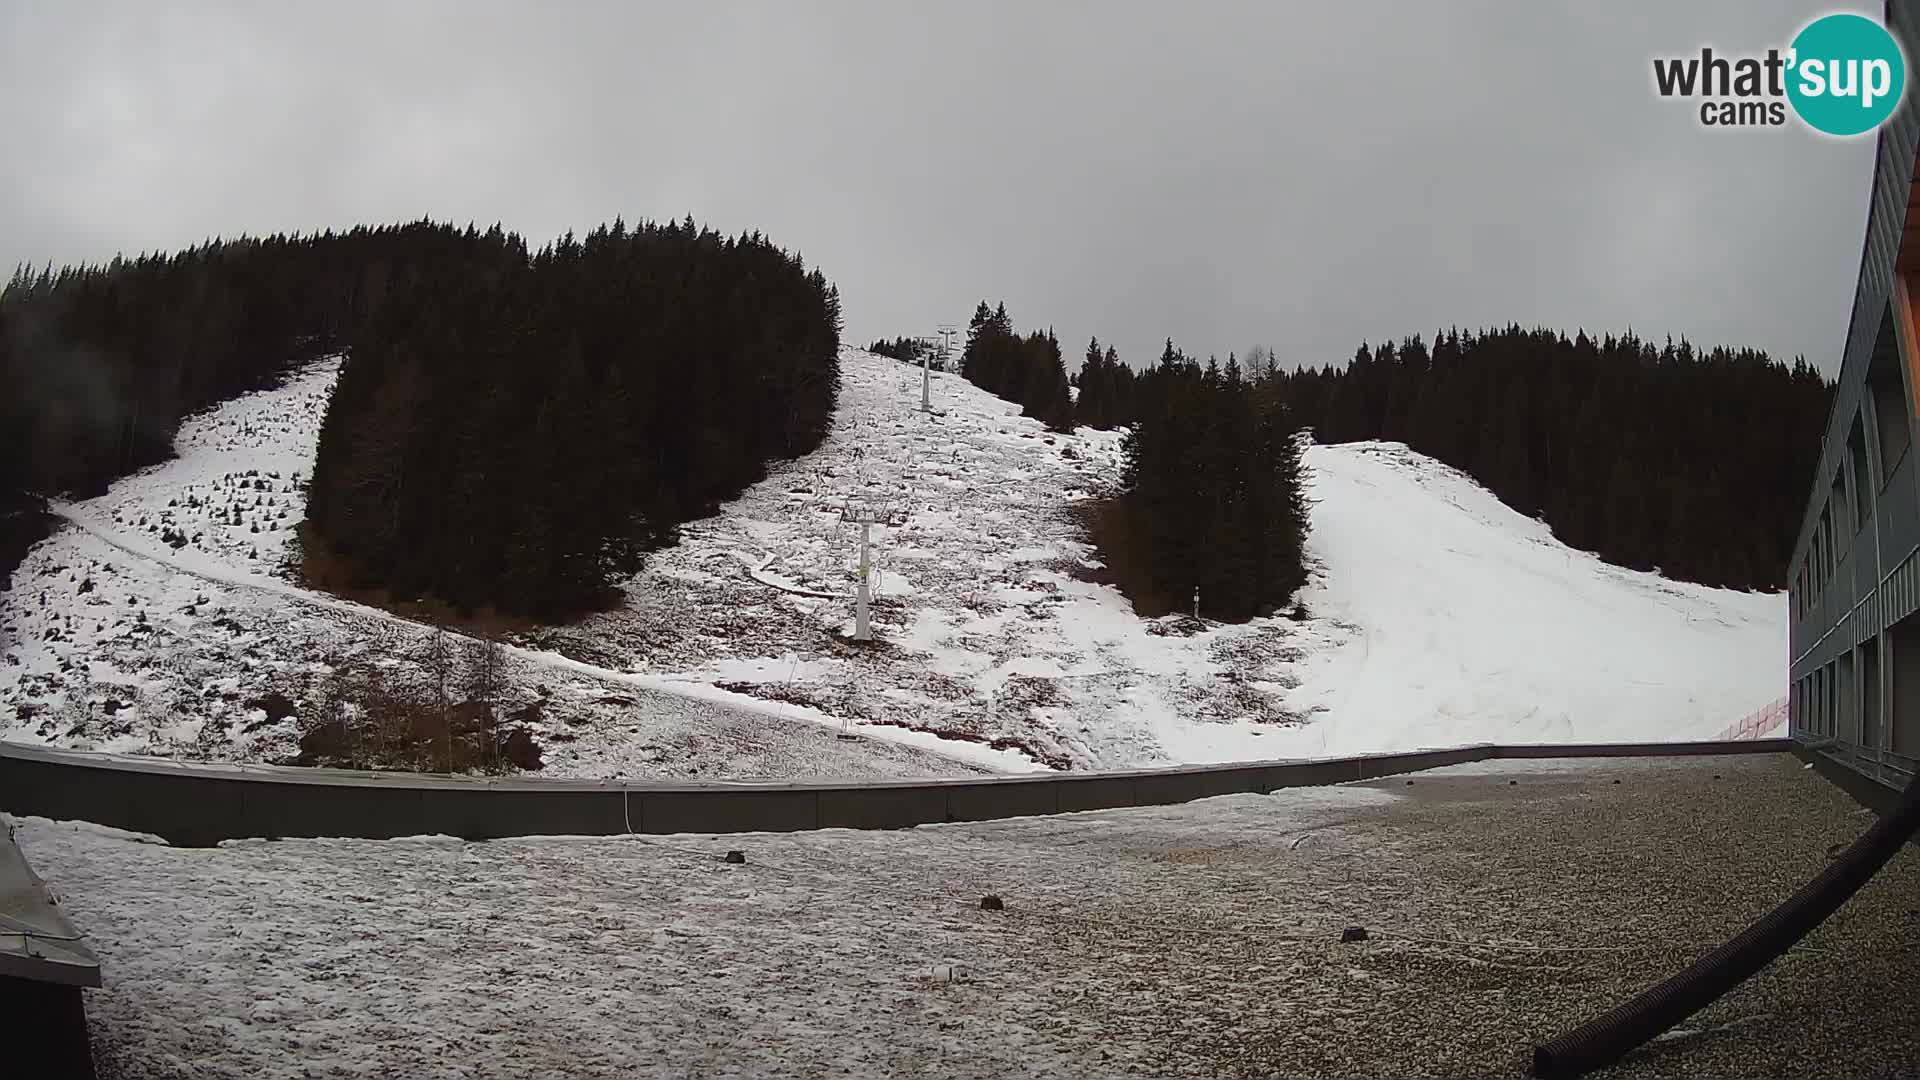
(1298, 175)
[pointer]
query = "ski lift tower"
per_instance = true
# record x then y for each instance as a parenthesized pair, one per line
(948, 332)
(925, 346)
(944, 339)
(867, 515)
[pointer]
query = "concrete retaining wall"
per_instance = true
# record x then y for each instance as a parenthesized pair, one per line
(1681, 749)
(200, 804)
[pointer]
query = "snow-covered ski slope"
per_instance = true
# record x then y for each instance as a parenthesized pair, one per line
(158, 618)
(1470, 623)
(1437, 617)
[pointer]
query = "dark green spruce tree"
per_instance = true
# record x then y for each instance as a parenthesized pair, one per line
(1212, 495)
(510, 428)
(1662, 456)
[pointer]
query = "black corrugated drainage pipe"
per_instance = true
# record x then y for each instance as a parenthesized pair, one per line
(1606, 1039)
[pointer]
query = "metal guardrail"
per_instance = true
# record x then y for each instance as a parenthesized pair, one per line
(203, 803)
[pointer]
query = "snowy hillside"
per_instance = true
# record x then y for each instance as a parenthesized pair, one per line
(1470, 623)
(1439, 616)
(158, 620)
(162, 616)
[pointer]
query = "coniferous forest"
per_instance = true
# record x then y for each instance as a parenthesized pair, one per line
(1212, 497)
(1106, 389)
(909, 351)
(1104, 384)
(1026, 370)
(98, 364)
(521, 440)
(588, 398)
(517, 429)
(1694, 462)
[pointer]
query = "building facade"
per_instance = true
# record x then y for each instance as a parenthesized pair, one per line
(1854, 584)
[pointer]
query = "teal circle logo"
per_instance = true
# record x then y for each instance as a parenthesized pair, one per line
(1845, 74)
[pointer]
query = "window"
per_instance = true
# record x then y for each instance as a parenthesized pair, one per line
(1833, 552)
(1846, 707)
(1836, 702)
(1870, 694)
(1842, 536)
(1903, 699)
(1817, 558)
(1863, 486)
(1819, 548)
(1823, 537)
(1891, 416)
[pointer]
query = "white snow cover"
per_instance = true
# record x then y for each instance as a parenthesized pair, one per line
(1471, 623)
(170, 620)
(1438, 616)
(833, 952)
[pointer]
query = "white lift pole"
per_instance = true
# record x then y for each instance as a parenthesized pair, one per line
(866, 517)
(862, 631)
(926, 379)
(926, 363)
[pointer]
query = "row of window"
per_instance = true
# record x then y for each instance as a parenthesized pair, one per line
(1868, 696)
(1877, 441)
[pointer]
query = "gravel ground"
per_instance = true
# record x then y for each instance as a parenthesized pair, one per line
(1506, 901)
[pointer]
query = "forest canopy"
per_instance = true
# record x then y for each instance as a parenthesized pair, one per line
(521, 440)
(510, 429)
(1695, 462)
(1213, 498)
